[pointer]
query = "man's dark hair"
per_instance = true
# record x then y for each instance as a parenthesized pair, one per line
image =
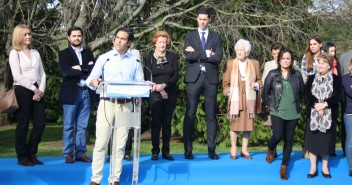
(127, 30)
(204, 11)
(74, 28)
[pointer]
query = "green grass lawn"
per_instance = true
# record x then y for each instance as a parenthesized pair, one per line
(51, 144)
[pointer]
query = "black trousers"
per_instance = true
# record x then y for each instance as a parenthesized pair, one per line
(283, 129)
(28, 110)
(193, 92)
(161, 111)
(129, 141)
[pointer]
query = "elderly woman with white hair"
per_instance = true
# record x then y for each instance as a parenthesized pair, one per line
(241, 82)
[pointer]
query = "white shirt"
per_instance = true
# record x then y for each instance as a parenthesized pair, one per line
(242, 68)
(205, 34)
(79, 56)
(27, 71)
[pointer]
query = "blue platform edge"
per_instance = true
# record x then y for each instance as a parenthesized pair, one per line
(201, 170)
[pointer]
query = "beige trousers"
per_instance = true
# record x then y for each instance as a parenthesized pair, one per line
(105, 118)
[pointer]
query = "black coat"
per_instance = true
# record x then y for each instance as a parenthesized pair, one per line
(167, 73)
(72, 77)
(198, 57)
(272, 90)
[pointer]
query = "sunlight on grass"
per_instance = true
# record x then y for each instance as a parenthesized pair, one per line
(51, 144)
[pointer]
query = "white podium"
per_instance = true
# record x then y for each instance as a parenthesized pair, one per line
(135, 91)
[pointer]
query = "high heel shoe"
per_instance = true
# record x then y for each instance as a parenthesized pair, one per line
(246, 156)
(312, 175)
(233, 156)
(326, 175)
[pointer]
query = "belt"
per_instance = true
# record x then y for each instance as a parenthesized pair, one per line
(118, 100)
(83, 87)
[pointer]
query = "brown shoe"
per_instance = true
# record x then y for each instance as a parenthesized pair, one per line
(94, 183)
(246, 156)
(270, 155)
(34, 160)
(84, 159)
(69, 158)
(283, 174)
(25, 162)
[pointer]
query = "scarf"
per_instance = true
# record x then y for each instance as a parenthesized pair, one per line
(321, 89)
(234, 105)
(160, 60)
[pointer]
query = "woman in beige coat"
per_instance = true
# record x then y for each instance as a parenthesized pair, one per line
(241, 82)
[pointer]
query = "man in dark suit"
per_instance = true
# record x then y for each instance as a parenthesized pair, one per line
(203, 50)
(76, 98)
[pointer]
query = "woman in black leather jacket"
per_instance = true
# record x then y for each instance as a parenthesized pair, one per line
(283, 87)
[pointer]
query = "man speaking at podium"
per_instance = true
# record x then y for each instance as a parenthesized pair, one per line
(114, 65)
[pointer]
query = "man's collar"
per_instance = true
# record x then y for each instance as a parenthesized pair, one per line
(206, 31)
(74, 48)
(116, 53)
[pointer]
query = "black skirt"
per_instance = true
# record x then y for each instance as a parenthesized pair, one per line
(320, 143)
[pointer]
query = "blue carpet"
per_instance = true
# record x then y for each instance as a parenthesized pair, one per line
(201, 170)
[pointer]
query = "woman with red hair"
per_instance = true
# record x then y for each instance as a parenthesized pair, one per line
(163, 67)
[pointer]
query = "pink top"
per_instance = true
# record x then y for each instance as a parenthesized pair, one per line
(26, 71)
(334, 67)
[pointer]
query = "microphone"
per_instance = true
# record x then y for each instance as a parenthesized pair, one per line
(150, 71)
(100, 88)
(102, 74)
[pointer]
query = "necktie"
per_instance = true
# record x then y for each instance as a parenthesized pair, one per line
(203, 40)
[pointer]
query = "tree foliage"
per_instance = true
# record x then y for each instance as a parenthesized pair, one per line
(262, 22)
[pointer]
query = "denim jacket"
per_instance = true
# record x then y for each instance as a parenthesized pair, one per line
(272, 90)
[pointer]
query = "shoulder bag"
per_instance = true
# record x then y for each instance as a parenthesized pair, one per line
(8, 100)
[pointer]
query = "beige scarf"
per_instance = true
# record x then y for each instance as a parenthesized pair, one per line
(234, 105)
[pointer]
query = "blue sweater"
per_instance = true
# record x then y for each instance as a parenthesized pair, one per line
(347, 86)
